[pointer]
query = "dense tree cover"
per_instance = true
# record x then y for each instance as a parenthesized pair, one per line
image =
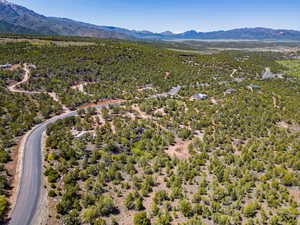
(18, 113)
(114, 69)
(121, 69)
(244, 169)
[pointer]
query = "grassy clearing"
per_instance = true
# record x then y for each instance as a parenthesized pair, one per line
(37, 42)
(293, 66)
(186, 51)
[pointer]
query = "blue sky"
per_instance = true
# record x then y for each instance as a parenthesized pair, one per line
(174, 15)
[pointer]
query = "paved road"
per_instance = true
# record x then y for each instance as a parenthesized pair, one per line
(30, 182)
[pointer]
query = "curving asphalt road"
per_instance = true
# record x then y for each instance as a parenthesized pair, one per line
(30, 182)
(31, 177)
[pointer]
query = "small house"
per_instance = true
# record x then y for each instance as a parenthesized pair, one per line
(229, 91)
(268, 74)
(253, 86)
(239, 79)
(199, 96)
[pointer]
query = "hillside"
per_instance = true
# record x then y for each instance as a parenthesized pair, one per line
(19, 19)
(11, 28)
(177, 159)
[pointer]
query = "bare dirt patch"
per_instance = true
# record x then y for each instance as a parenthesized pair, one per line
(179, 149)
(11, 167)
(113, 128)
(290, 127)
(14, 67)
(141, 113)
(295, 194)
(160, 111)
(167, 74)
(80, 87)
(54, 96)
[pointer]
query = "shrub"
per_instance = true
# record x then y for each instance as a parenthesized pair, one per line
(141, 218)
(250, 208)
(52, 194)
(99, 221)
(52, 175)
(4, 156)
(288, 179)
(186, 208)
(3, 205)
(164, 219)
(134, 201)
(106, 206)
(160, 196)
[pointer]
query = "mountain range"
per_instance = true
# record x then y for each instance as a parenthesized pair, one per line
(18, 19)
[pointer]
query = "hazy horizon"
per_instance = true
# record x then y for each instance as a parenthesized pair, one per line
(175, 16)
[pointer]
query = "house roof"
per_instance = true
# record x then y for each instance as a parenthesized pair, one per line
(254, 86)
(6, 65)
(229, 91)
(200, 96)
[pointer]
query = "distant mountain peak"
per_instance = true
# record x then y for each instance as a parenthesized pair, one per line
(18, 19)
(191, 31)
(167, 33)
(5, 2)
